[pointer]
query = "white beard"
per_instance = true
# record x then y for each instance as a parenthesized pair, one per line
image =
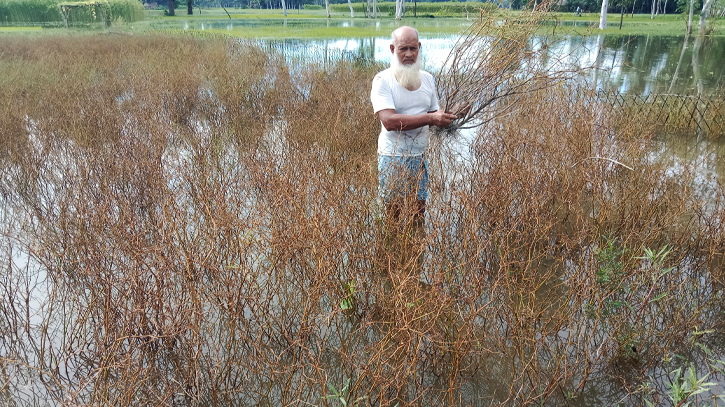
(408, 76)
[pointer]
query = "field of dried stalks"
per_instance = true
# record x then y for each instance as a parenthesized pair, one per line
(195, 222)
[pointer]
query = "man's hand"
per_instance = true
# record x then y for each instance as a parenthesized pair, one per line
(461, 109)
(442, 119)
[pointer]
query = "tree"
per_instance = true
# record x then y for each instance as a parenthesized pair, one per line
(189, 7)
(327, 7)
(398, 9)
(703, 16)
(603, 15)
(352, 12)
(284, 8)
(622, 4)
(171, 7)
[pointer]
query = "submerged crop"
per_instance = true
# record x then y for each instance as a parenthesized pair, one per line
(196, 220)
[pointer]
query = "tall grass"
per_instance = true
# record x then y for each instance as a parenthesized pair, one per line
(45, 11)
(193, 221)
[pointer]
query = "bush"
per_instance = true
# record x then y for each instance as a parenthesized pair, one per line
(312, 7)
(29, 11)
(44, 11)
(126, 10)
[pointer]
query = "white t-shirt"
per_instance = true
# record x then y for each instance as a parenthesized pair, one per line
(387, 93)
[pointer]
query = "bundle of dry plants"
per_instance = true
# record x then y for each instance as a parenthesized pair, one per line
(196, 222)
(501, 58)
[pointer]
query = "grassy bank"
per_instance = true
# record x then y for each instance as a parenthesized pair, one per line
(306, 24)
(272, 31)
(449, 18)
(639, 24)
(194, 220)
(316, 24)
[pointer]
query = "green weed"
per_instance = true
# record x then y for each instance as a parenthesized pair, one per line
(341, 396)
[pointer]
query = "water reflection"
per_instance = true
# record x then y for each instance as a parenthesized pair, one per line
(629, 64)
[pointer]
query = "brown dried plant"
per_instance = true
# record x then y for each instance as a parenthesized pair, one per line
(500, 58)
(193, 221)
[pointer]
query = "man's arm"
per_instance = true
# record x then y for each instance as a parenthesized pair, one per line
(396, 121)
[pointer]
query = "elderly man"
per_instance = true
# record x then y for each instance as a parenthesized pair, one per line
(404, 98)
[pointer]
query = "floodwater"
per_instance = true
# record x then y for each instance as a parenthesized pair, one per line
(640, 64)
(601, 390)
(634, 64)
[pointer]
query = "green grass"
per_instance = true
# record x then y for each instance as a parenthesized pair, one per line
(20, 29)
(314, 32)
(587, 24)
(640, 24)
(303, 24)
(238, 16)
(218, 12)
(316, 25)
(264, 16)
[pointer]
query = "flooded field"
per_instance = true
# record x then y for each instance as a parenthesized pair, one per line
(195, 222)
(637, 64)
(642, 64)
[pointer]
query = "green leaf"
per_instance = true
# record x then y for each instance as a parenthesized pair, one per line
(715, 362)
(704, 348)
(667, 270)
(347, 304)
(699, 332)
(334, 390)
(344, 388)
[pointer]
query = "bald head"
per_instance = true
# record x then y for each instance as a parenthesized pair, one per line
(404, 32)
